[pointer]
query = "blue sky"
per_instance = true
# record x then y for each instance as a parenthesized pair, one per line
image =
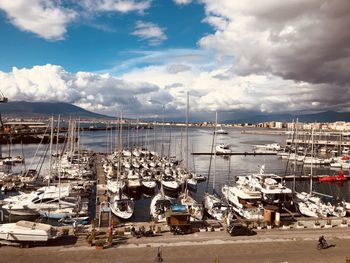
(101, 41)
(237, 57)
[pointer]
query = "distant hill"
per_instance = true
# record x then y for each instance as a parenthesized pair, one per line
(42, 109)
(326, 116)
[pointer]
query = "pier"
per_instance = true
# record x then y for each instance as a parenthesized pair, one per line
(236, 153)
(102, 214)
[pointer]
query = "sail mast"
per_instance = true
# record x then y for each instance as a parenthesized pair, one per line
(312, 157)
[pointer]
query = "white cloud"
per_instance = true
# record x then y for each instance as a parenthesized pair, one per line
(49, 18)
(44, 18)
(96, 92)
(149, 31)
(182, 2)
(122, 6)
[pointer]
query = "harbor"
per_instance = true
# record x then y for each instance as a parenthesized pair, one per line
(115, 177)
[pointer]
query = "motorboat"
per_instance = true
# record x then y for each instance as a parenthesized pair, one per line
(28, 204)
(26, 231)
(271, 147)
(223, 148)
(221, 131)
(333, 178)
(244, 200)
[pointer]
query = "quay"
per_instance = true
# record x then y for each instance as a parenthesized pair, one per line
(324, 143)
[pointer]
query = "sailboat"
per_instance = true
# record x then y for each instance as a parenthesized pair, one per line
(159, 205)
(311, 205)
(122, 206)
(194, 208)
(213, 205)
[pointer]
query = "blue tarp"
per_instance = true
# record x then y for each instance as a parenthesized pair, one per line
(178, 208)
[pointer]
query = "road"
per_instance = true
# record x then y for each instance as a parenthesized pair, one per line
(266, 246)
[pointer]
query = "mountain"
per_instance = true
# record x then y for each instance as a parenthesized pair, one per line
(42, 109)
(326, 116)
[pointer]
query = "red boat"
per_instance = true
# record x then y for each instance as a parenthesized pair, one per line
(333, 178)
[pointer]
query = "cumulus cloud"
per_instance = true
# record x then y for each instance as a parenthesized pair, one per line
(49, 18)
(44, 18)
(122, 6)
(149, 31)
(96, 92)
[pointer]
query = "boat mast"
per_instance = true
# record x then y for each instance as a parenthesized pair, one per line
(312, 158)
(50, 159)
(211, 156)
(187, 113)
(216, 123)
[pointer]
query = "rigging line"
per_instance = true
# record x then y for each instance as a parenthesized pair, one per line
(211, 157)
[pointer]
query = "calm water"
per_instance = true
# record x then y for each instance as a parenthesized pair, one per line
(171, 141)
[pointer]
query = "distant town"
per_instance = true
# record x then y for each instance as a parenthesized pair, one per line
(31, 124)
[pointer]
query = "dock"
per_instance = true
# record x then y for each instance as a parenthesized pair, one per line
(101, 197)
(236, 153)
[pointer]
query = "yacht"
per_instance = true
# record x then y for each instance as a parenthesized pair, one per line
(244, 200)
(223, 148)
(25, 231)
(221, 131)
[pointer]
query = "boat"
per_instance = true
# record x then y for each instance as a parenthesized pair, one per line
(243, 200)
(271, 187)
(26, 231)
(169, 183)
(333, 178)
(214, 206)
(159, 205)
(193, 207)
(29, 204)
(221, 131)
(122, 206)
(223, 148)
(271, 147)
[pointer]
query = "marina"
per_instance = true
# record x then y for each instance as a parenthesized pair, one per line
(106, 183)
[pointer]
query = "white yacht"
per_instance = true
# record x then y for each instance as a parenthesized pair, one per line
(221, 131)
(49, 197)
(243, 200)
(25, 231)
(223, 148)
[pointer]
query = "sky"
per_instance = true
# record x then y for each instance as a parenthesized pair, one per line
(142, 56)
